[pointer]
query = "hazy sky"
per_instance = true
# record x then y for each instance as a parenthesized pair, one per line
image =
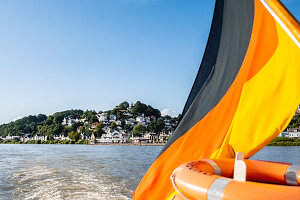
(57, 55)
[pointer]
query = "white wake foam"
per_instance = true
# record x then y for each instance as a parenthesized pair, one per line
(42, 182)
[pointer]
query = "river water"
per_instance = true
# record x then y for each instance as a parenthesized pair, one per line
(87, 172)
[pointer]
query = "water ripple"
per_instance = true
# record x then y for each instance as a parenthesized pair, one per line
(56, 172)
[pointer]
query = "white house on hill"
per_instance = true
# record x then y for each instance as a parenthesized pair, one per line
(69, 121)
(130, 121)
(103, 118)
(112, 118)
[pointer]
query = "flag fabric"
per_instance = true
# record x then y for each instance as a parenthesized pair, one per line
(245, 93)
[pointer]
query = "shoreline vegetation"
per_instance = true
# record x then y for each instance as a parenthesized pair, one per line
(278, 141)
(285, 141)
(84, 142)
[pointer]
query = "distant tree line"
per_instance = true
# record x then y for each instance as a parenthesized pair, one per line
(51, 125)
(43, 125)
(285, 141)
(295, 122)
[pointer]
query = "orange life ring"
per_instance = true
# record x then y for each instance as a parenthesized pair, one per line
(212, 180)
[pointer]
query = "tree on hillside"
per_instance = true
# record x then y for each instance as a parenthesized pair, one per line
(167, 117)
(33, 128)
(74, 136)
(66, 130)
(27, 129)
(75, 126)
(41, 117)
(49, 120)
(113, 125)
(86, 128)
(150, 111)
(160, 125)
(88, 114)
(295, 122)
(157, 127)
(124, 105)
(99, 130)
(69, 113)
(58, 118)
(50, 130)
(152, 126)
(120, 115)
(43, 130)
(93, 119)
(139, 108)
(57, 129)
(30, 118)
(74, 114)
(115, 111)
(139, 130)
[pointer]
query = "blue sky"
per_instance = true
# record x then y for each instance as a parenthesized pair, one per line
(88, 54)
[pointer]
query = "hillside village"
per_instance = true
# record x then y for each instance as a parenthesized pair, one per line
(126, 123)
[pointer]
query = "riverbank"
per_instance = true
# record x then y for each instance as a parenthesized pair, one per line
(77, 142)
(43, 142)
(130, 144)
(279, 141)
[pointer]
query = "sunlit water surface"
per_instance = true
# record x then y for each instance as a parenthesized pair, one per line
(87, 172)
